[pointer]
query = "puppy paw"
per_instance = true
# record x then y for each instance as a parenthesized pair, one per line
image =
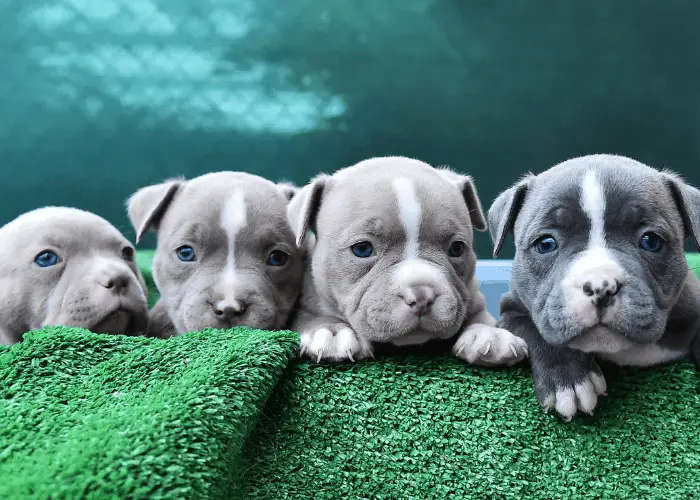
(334, 342)
(569, 388)
(487, 345)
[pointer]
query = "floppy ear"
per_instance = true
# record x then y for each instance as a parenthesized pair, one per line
(504, 210)
(147, 205)
(303, 208)
(687, 200)
(465, 184)
(288, 189)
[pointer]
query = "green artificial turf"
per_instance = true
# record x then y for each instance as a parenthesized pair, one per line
(97, 416)
(421, 428)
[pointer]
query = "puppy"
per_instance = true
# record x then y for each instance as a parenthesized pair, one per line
(391, 261)
(226, 255)
(599, 272)
(64, 266)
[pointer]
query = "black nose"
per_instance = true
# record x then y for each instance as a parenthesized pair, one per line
(602, 292)
(230, 309)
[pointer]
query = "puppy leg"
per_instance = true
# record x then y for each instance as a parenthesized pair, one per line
(567, 380)
(328, 338)
(159, 323)
(482, 343)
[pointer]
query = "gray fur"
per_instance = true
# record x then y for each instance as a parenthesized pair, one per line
(348, 303)
(205, 293)
(648, 312)
(95, 284)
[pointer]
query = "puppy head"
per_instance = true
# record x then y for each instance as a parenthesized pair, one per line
(64, 266)
(599, 249)
(226, 254)
(393, 251)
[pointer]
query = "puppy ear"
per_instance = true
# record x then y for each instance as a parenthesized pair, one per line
(687, 200)
(304, 207)
(465, 184)
(504, 211)
(288, 189)
(147, 205)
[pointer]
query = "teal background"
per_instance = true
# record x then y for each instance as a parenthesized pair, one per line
(99, 97)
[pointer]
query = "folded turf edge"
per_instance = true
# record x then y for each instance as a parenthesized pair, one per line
(89, 415)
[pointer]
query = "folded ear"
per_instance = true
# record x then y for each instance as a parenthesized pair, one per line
(504, 210)
(687, 200)
(304, 207)
(147, 205)
(288, 189)
(466, 186)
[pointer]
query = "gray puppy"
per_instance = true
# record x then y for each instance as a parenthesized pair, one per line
(391, 261)
(599, 272)
(226, 254)
(64, 266)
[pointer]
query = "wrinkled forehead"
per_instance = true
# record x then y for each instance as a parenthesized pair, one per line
(70, 234)
(210, 212)
(623, 197)
(394, 202)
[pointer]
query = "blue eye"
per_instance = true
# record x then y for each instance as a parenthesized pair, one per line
(277, 258)
(363, 249)
(545, 244)
(651, 242)
(456, 249)
(46, 259)
(185, 253)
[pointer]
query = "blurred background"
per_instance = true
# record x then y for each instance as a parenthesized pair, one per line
(101, 97)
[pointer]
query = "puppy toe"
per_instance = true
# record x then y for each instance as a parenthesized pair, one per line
(321, 342)
(599, 383)
(350, 346)
(566, 402)
(586, 397)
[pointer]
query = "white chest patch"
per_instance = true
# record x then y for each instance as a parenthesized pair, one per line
(593, 203)
(409, 213)
(233, 219)
(646, 355)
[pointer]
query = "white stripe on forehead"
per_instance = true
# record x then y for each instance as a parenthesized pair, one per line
(409, 213)
(593, 204)
(233, 219)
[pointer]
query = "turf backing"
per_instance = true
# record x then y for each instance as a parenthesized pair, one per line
(419, 428)
(98, 416)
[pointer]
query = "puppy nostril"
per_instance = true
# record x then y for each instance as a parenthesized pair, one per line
(588, 288)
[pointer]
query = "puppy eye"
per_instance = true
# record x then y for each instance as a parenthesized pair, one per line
(47, 258)
(128, 254)
(185, 253)
(456, 249)
(363, 249)
(651, 242)
(277, 258)
(545, 244)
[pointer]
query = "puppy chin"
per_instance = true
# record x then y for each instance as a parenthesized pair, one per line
(601, 340)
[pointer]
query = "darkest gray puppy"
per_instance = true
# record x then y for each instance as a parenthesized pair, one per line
(599, 272)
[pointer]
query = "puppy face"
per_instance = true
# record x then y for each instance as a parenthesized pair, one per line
(226, 254)
(64, 266)
(599, 249)
(393, 247)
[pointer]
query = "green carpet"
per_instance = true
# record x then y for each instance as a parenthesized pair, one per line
(96, 416)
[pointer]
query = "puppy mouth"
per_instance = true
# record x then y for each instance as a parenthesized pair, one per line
(118, 322)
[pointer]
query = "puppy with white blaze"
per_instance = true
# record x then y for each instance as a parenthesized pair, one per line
(390, 260)
(226, 255)
(68, 267)
(599, 272)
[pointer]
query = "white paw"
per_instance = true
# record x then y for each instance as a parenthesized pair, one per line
(583, 396)
(336, 342)
(487, 345)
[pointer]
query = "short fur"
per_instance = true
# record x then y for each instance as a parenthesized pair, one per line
(599, 295)
(233, 221)
(409, 291)
(95, 284)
